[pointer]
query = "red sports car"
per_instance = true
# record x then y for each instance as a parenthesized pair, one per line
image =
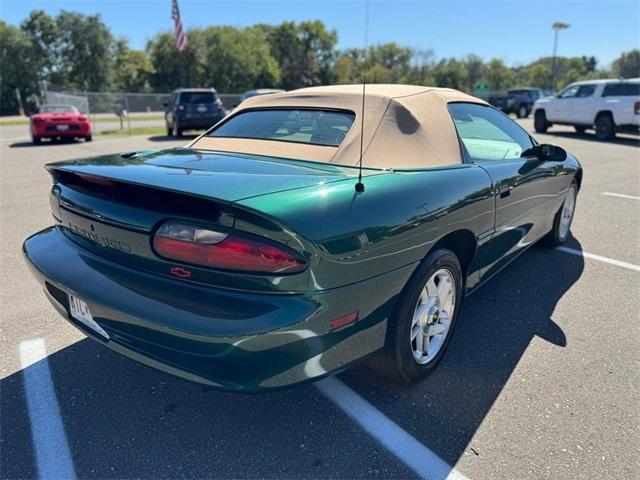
(60, 121)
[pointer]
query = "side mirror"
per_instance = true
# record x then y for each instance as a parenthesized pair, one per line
(552, 153)
(546, 153)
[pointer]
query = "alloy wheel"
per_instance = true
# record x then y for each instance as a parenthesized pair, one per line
(432, 316)
(566, 215)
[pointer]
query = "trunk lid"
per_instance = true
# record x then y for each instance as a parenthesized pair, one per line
(226, 177)
(112, 205)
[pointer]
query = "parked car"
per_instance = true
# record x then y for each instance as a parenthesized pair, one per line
(59, 121)
(193, 109)
(259, 91)
(609, 106)
(256, 257)
(519, 101)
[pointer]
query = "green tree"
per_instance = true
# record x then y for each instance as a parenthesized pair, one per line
(44, 36)
(450, 73)
(475, 68)
(19, 70)
(627, 65)
(132, 68)
(305, 52)
(85, 52)
(498, 76)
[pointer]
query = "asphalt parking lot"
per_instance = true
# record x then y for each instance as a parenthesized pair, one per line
(542, 379)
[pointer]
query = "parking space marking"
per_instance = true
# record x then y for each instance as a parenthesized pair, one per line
(53, 458)
(407, 449)
(599, 258)
(621, 195)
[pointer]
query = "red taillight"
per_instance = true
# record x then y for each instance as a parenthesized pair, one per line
(105, 182)
(636, 108)
(82, 118)
(228, 251)
(38, 120)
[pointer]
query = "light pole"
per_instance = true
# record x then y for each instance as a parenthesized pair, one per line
(556, 27)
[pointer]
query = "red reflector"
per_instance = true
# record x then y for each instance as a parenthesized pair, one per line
(232, 253)
(344, 320)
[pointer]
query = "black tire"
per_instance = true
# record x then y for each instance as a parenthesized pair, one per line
(605, 128)
(177, 132)
(36, 140)
(556, 236)
(580, 129)
(396, 360)
(169, 130)
(88, 138)
(522, 112)
(540, 123)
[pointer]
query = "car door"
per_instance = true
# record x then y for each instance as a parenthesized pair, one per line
(525, 188)
(584, 111)
(561, 109)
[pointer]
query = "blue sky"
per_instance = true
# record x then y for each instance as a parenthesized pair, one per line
(516, 31)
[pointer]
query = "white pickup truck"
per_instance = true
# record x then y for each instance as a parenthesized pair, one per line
(609, 106)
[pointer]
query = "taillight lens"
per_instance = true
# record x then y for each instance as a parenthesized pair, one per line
(636, 108)
(82, 118)
(228, 251)
(38, 121)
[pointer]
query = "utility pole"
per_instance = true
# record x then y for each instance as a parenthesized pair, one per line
(556, 27)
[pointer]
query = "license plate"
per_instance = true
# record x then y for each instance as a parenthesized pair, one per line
(80, 311)
(201, 108)
(62, 128)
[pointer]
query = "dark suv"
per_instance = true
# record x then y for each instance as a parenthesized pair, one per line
(192, 109)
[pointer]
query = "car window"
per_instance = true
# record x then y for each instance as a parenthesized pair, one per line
(316, 127)
(586, 90)
(58, 109)
(488, 134)
(569, 92)
(197, 97)
(621, 89)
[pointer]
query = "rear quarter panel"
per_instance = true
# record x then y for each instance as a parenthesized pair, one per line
(350, 237)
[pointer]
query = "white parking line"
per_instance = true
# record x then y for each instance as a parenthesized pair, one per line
(53, 458)
(621, 195)
(599, 258)
(400, 443)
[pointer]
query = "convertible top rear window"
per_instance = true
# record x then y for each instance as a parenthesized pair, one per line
(311, 126)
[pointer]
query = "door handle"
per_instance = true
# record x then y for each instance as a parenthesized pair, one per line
(505, 190)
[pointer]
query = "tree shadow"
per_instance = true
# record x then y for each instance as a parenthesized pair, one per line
(123, 419)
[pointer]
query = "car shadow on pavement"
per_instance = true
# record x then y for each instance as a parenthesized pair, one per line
(29, 143)
(122, 419)
(627, 140)
(166, 138)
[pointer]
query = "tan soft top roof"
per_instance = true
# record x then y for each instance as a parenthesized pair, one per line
(405, 126)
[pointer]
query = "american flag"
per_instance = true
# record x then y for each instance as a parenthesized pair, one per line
(181, 37)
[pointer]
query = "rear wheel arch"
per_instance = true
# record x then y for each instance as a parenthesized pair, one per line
(603, 113)
(463, 244)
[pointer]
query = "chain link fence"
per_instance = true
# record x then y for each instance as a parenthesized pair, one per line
(120, 110)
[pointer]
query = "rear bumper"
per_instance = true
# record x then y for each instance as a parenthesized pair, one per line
(51, 131)
(236, 341)
(198, 123)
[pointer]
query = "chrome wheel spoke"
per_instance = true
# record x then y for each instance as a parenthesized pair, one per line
(432, 316)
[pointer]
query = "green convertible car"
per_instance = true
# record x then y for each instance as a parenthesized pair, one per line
(255, 258)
